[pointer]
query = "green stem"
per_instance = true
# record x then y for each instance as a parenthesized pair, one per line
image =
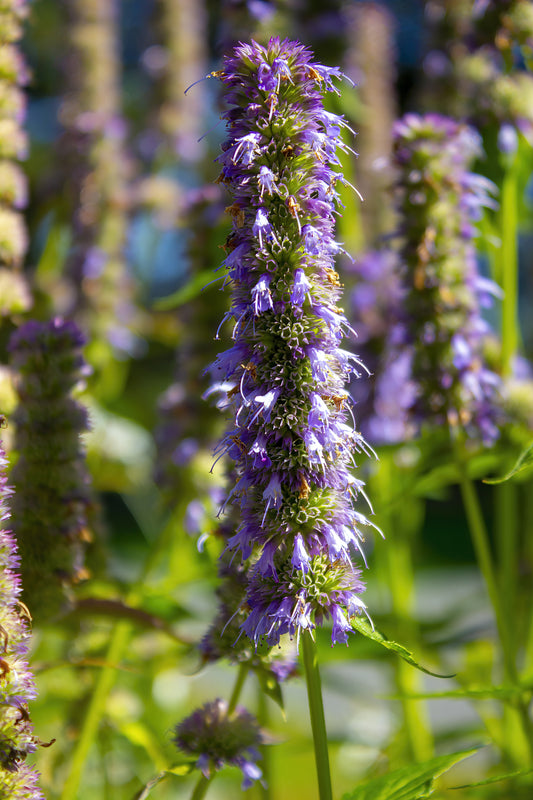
(480, 540)
(399, 579)
(316, 711)
(419, 737)
(264, 788)
(95, 710)
(509, 267)
(237, 689)
(527, 495)
(201, 787)
(481, 544)
(506, 498)
(203, 783)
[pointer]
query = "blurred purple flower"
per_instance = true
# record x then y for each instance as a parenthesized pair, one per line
(217, 738)
(441, 328)
(53, 499)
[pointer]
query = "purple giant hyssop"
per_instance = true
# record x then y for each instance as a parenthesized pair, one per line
(292, 436)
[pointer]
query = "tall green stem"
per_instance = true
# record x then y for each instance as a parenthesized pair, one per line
(506, 494)
(509, 267)
(506, 497)
(95, 710)
(481, 544)
(480, 540)
(506, 503)
(316, 711)
(264, 788)
(237, 689)
(201, 787)
(528, 526)
(398, 576)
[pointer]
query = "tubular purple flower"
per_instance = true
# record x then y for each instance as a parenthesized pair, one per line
(245, 149)
(285, 375)
(273, 494)
(266, 180)
(261, 295)
(319, 364)
(258, 449)
(262, 226)
(300, 556)
(300, 288)
(311, 240)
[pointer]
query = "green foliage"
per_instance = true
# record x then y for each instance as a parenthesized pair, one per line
(363, 626)
(522, 467)
(408, 783)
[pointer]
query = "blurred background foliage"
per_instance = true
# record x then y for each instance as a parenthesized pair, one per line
(126, 223)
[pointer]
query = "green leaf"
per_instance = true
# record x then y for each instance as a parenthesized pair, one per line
(363, 626)
(139, 734)
(145, 791)
(55, 250)
(182, 769)
(408, 783)
(179, 770)
(440, 477)
(496, 779)
(524, 462)
(485, 693)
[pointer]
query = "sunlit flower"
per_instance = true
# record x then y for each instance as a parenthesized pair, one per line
(289, 439)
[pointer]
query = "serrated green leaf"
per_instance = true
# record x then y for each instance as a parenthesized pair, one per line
(408, 783)
(363, 626)
(523, 463)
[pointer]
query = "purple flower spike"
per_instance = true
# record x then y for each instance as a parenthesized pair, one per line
(291, 437)
(18, 781)
(52, 506)
(440, 328)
